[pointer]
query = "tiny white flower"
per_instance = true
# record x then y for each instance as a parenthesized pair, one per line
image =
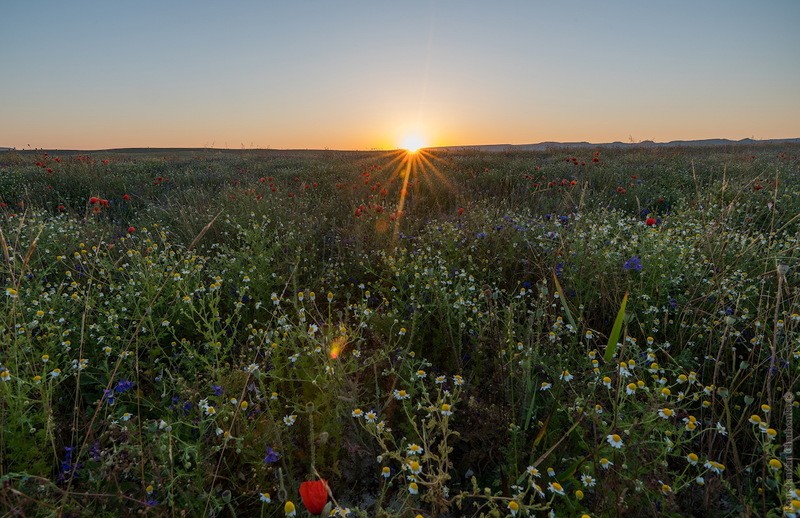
(614, 440)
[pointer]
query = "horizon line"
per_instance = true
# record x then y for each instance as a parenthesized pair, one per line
(748, 140)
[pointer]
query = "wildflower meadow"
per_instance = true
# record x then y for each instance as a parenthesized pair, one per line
(598, 332)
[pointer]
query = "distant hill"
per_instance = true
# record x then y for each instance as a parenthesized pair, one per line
(544, 146)
(541, 146)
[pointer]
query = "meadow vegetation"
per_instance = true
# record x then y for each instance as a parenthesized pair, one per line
(599, 332)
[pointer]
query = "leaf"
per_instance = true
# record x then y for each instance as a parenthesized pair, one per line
(563, 300)
(613, 338)
(542, 431)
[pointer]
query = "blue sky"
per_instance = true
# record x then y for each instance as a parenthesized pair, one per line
(362, 75)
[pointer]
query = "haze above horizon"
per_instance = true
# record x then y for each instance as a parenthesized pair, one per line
(354, 75)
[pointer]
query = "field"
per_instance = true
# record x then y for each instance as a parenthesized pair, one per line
(601, 332)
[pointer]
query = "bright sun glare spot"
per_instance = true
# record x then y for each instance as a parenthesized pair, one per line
(412, 143)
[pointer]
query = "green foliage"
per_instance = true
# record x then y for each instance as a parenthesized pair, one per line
(193, 332)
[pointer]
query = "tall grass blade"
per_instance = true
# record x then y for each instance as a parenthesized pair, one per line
(613, 338)
(563, 300)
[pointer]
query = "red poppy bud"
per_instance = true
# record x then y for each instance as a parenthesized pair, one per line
(460, 211)
(314, 494)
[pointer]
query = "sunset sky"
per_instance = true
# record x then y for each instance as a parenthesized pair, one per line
(369, 74)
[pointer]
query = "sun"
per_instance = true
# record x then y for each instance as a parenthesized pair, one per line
(413, 142)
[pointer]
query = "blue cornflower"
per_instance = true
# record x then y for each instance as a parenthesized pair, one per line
(634, 263)
(217, 389)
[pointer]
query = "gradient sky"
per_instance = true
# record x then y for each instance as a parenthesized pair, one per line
(343, 74)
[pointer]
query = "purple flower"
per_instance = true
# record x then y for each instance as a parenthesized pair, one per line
(69, 468)
(95, 452)
(217, 390)
(272, 456)
(124, 386)
(634, 263)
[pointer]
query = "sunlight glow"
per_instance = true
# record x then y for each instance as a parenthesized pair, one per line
(413, 142)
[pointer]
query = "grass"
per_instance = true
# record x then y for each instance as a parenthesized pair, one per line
(462, 334)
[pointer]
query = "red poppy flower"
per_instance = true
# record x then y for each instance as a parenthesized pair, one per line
(314, 494)
(460, 211)
(126, 197)
(94, 199)
(131, 230)
(651, 222)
